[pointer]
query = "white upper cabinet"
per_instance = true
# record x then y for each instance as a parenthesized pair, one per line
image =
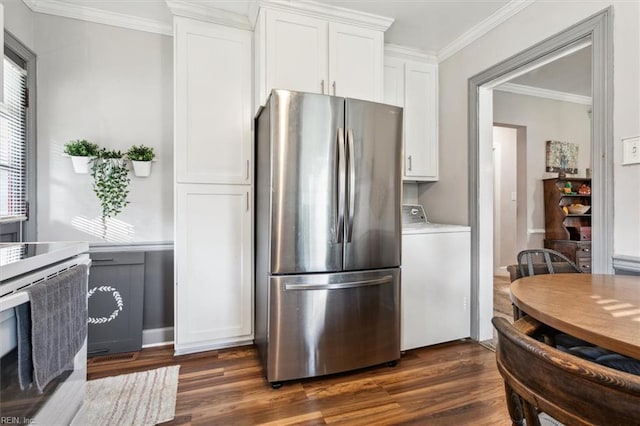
(421, 121)
(393, 81)
(296, 52)
(411, 81)
(308, 50)
(356, 61)
(213, 103)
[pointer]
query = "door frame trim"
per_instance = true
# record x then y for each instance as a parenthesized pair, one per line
(599, 30)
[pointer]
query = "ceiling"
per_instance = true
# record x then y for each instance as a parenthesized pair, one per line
(428, 25)
(437, 27)
(569, 74)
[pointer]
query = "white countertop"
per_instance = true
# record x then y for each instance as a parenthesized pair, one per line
(20, 258)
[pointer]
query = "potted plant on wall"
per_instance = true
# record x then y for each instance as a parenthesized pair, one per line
(141, 157)
(110, 183)
(81, 152)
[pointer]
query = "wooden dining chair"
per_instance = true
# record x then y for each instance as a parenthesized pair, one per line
(541, 379)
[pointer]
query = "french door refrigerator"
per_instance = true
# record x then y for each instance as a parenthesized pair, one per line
(327, 233)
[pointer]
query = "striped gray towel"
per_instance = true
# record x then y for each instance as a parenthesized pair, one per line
(58, 323)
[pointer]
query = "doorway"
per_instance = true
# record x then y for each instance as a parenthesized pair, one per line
(596, 30)
(510, 195)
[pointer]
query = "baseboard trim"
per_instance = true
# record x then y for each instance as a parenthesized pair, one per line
(626, 263)
(157, 337)
(222, 344)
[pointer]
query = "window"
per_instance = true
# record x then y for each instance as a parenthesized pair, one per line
(17, 144)
(13, 144)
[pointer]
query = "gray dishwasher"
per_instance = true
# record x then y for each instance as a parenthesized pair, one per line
(116, 291)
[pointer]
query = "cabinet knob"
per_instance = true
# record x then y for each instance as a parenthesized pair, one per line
(334, 88)
(322, 87)
(410, 163)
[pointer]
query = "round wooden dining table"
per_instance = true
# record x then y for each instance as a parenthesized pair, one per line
(601, 309)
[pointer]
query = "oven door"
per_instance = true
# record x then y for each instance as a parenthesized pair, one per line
(61, 398)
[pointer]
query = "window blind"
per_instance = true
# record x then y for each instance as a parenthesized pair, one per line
(13, 142)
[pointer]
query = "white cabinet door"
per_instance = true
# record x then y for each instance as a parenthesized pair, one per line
(393, 81)
(213, 306)
(356, 62)
(296, 53)
(213, 103)
(420, 122)
(308, 54)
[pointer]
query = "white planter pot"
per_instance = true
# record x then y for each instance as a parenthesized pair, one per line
(141, 168)
(81, 165)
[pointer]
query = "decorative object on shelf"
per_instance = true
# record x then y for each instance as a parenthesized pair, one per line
(81, 152)
(562, 157)
(141, 157)
(578, 208)
(584, 189)
(568, 188)
(110, 183)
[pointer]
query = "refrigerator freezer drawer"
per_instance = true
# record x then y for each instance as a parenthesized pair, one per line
(328, 323)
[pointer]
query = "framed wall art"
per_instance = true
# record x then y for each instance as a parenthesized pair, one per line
(562, 157)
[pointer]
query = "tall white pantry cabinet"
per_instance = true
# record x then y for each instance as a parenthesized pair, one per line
(213, 186)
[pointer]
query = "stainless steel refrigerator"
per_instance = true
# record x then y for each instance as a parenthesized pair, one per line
(327, 233)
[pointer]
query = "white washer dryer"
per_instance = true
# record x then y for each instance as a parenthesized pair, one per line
(436, 280)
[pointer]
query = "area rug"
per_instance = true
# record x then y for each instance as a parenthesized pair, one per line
(144, 398)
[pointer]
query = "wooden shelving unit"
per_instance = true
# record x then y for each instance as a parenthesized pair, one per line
(569, 234)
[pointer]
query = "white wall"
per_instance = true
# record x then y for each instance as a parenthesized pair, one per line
(544, 119)
(19, 21)
(114, 87)
(410, 193)
(626, 234)
(447, 199)
(505, 145)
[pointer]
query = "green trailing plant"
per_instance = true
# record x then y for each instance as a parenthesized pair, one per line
(110, 182)
(140, 153)
(81, 148)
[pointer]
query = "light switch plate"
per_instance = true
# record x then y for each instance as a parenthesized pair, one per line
(631, 151)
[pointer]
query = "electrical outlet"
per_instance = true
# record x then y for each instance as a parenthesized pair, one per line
(631, 151)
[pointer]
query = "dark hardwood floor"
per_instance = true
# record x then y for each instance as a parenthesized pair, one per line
(450, 384)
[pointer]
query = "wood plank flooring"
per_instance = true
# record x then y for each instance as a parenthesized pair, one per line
(450, 384)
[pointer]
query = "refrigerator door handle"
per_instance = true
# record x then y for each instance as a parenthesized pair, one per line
(351, 193)
(338, 286)
(340, 190)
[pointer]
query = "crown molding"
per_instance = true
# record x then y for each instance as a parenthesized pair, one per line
(328, 12)
(99, 16)
(409, 53)
(209, 14)
(501, 15)
(521, 89)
